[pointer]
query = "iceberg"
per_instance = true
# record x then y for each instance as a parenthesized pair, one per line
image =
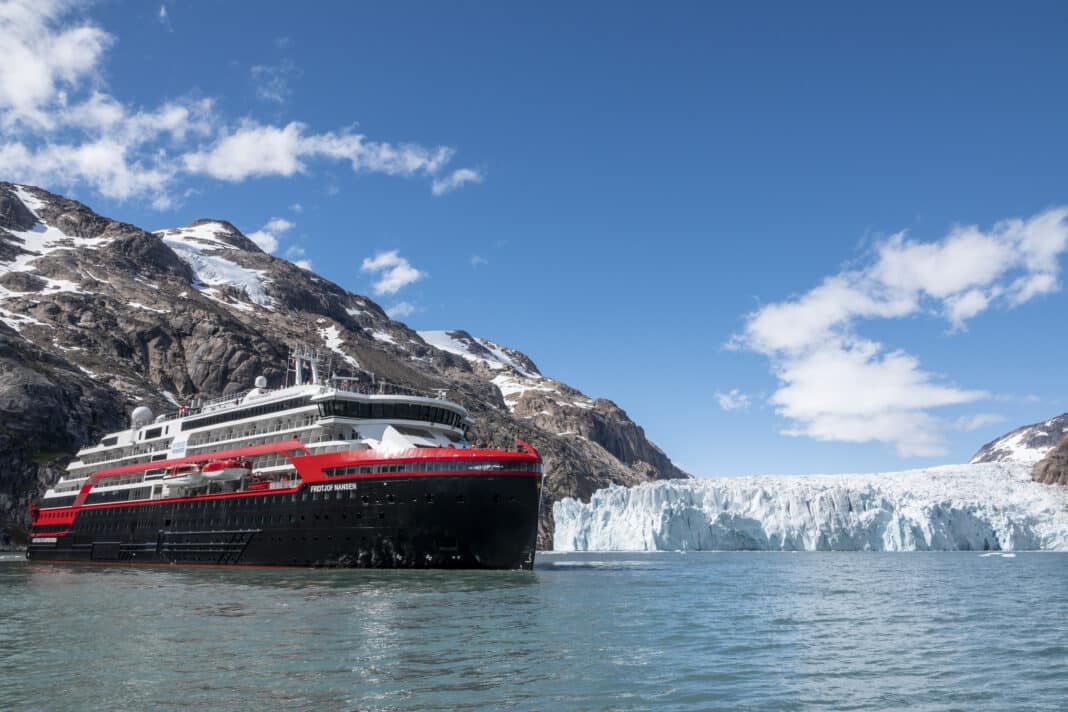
(992, 506)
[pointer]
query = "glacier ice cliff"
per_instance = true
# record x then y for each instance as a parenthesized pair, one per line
(954, 507)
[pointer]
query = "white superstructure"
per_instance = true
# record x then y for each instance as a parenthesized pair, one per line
(331, 416)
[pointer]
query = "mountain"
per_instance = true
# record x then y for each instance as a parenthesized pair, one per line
(1053, 468)
(991, 506)
(98, 316)
(1028, 444)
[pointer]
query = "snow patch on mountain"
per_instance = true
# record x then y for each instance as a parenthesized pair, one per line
(198, 247)
(41, 240)
(1015, 449)
(1027, 445)
(203, 235)
(145, 307)
(383, 336)
(17, 321)
(31, 201)
(513, 385)
(332, 338)
(479, 350)
(954, 507)
(516, 373)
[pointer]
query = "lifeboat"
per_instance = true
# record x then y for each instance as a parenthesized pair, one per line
(182, 476)
(226, 470)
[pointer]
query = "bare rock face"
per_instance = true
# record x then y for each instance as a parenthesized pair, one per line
(140, 251)
(98, 316)
(1053, 469)
(14, 215)
(48, 409)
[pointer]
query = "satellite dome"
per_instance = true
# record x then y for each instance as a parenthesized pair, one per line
(141, 415)
(261, 381)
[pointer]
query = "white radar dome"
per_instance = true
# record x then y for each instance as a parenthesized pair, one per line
(261, 381)
(142, 415)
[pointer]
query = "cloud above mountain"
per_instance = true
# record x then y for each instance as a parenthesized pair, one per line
(837, 385)
(392, 272)
(60, 126)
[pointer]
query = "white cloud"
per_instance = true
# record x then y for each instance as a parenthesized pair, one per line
(296, 208)
(60, 128)
(164, 18)
(267, 236)
(854, 391)
(394, 272)
(257, 150)
(835, 385)
(271, 82)
(103, 164)
(969, 423)
(252, 150)
(455, 180)
(400, 310)
(732, 400)
(477, 260)
(278, 225)
(41, 60)
(296, 255)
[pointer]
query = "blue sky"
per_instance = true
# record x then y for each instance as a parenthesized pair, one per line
(796, 212)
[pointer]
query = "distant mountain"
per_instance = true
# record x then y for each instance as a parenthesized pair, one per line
(97, 316)
(1028, 444)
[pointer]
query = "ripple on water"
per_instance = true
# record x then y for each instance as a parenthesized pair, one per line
(664, 631)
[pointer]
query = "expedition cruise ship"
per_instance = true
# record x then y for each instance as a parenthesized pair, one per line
(319, 472)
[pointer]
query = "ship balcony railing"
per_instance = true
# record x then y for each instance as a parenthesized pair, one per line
(303, 424)
(96, 464)
(341, 383)
(385, 388)
(209, 405)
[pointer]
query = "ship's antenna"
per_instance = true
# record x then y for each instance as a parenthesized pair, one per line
(307, 365)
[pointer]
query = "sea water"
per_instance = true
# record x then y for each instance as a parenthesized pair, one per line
(665, 631)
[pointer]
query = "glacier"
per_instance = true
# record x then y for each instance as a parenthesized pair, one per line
(993, 506)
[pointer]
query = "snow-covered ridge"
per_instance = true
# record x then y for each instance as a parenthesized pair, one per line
(40, 240)
(955, 507)
(1027, 445)
(199, 246)
(480, 350)
(515, 373)
(43, 239)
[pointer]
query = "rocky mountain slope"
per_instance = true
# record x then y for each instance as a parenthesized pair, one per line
(1053, 468)
(1028, 444)
(97, 316)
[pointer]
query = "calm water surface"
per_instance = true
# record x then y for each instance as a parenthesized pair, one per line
(734, 631)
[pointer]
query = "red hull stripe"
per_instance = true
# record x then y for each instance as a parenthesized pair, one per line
(311, 468)
(71, 511)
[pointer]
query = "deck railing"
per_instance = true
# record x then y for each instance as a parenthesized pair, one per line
(347, 385)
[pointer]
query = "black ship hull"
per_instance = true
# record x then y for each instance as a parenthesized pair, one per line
(466, 521)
